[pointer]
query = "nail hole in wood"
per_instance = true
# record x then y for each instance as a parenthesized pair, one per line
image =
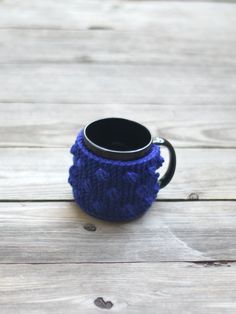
(99, 302)
(90, 227)
(193, 196)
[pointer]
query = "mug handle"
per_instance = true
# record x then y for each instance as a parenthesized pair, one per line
(166, 178)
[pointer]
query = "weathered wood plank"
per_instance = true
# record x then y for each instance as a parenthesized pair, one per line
(117, 14)
(148, 46)
(54, 232)
(90, 83)
(56, 125)
(41, 174)
(182, 288)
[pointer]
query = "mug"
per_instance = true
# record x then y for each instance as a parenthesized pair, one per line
(114, 175)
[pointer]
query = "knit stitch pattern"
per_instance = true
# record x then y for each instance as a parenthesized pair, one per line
(114, 190)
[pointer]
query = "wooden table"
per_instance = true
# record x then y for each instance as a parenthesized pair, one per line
(169, 65)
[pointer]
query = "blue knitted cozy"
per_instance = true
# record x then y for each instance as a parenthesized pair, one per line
(111, 189)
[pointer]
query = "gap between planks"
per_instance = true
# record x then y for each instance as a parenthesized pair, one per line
(211, 263)
(176, 200)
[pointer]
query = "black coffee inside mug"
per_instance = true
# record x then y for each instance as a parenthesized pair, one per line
(123, 139)
(118, 138)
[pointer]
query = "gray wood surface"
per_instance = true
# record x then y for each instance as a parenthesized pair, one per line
(170, 65)
(160, 46)
(41, 174)
(129, 288)
(171, 36)
(110, 83)
(56, 125)
(56, 232)
(182, 16)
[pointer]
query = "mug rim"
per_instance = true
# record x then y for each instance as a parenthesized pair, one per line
(118, 152)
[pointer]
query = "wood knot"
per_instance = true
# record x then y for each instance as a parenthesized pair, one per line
(100, 28)
(217, 264)
(99, 302)
(193, 196)
(213, 263)
(90, 227)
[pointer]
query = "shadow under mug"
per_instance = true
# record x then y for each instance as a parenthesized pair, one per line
(123, 139)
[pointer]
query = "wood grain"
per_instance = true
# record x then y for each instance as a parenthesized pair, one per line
(57, 232)
(134, 288)
(56, 125)
(169, 65)
(103, 84)
(148, 46)
(183, 16)
(41, 174)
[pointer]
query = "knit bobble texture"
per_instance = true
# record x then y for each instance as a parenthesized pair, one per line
(113, 190)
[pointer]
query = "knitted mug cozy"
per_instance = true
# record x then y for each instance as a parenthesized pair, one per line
(111, 189)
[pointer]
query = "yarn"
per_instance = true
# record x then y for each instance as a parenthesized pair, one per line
(114, 190)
